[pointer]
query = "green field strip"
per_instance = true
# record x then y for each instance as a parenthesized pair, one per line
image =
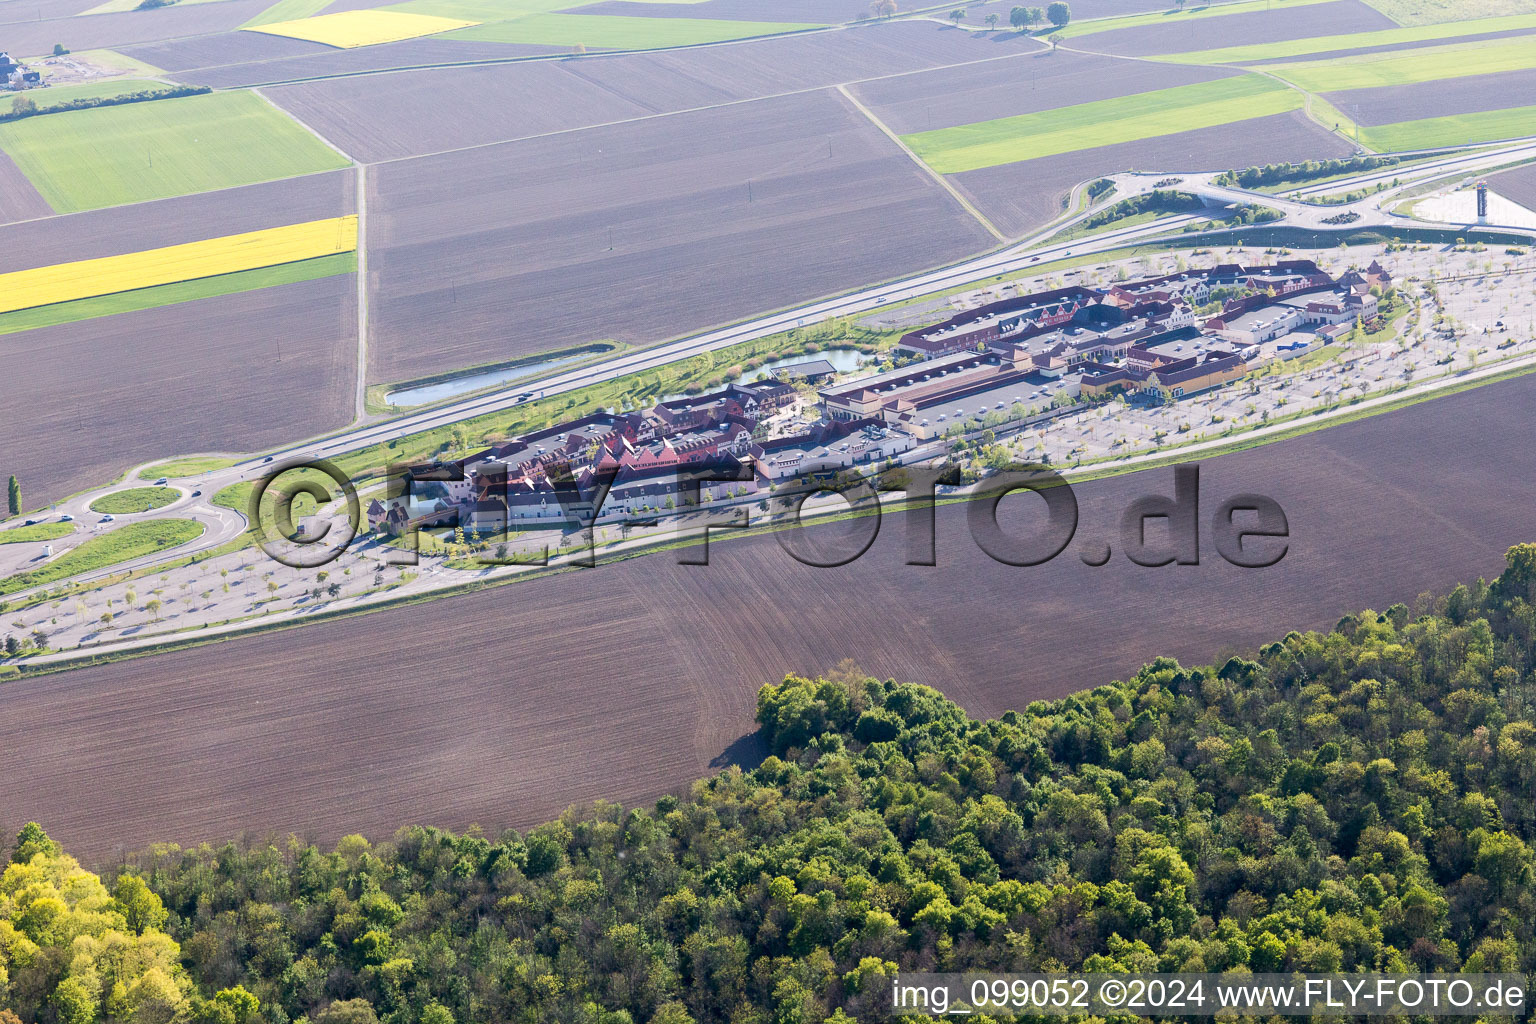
(620, 32)
(171, 294)
(31, 534)
(129, 542)
(1077, 29)
(1409, 67)
(1453, 130)
(1350, 41)
(288, 10)
(1436, 12)
(1145, 115)
(112, 156)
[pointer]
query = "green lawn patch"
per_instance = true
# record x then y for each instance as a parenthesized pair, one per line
(619, 32)
(129, 542)
(135, 499)
(192, 465)
(1452, 130)
(36, 532)
(1351, 40)
(108, 156)
(1102, 123)
(1409, 67)
(182, 291)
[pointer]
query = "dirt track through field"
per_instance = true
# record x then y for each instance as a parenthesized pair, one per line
(632, 679)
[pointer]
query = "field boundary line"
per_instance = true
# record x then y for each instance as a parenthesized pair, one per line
(360, 406)
(944, 183)
(674, 113)
(307, 127)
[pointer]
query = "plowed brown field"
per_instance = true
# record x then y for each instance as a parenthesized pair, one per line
(629, 680)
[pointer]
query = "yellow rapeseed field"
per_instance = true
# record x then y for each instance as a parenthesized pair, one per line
(65, 282)
(362, 28)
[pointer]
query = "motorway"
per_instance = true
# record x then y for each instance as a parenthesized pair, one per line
(222, 525)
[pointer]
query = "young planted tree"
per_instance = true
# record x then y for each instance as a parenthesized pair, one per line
(991, 22)
(13, 496)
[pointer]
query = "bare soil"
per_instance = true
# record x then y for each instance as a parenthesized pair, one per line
(230, 373)
(1028, 83)
(643, 231)
(406, 54)
(221, 49)
(33, 38)
(1396, 103)
(1021, 197)
(1183, 33)
(1518, 185)
(389, 116)
(18, 199)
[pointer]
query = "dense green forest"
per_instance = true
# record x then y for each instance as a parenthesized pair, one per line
(1363, 799)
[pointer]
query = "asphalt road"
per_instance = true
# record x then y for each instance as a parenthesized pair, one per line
(223, 525)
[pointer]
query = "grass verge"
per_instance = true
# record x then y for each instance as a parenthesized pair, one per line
(132, 541)
(40, 531)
